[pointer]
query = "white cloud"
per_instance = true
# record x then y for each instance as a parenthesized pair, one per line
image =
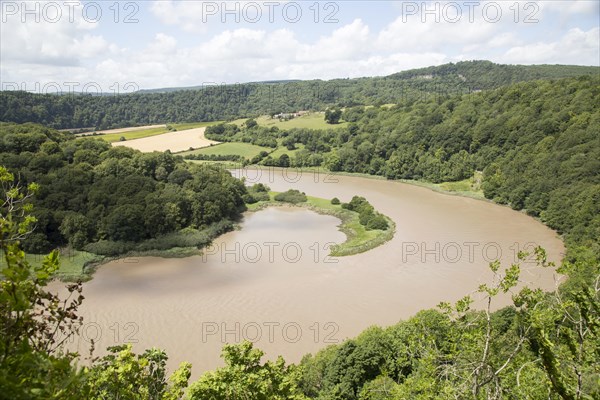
(346, 43)
(412, 33)
(195, 16)
(67, 52)
(54, 39)
(575, 47)
(571, 6)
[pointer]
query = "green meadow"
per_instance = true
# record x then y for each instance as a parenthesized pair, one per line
(245, 150)
(314, 120)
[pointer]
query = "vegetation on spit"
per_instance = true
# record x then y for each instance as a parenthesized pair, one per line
(364, 228)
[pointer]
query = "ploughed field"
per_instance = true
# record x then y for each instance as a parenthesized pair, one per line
(175, 141)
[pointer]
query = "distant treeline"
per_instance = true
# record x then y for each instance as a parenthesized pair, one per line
(224, 102)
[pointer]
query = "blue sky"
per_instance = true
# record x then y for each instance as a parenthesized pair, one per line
(152, 44)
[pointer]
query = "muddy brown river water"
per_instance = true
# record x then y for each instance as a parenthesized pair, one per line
(272, 282)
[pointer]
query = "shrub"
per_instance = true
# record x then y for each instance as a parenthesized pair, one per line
(378, 221)
(365, 216)
(335, 201)
(109, 248)
(259, 187)
(249, 199)
(291, 196)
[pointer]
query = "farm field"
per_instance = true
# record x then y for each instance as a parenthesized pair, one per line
(130, 129)
(139, 132)
(314, 120)
(175, 141)
(245, 150)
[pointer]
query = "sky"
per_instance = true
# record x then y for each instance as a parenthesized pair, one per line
(110, 46)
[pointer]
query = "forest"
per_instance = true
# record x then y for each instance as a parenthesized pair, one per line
(215, 101)
(111, 200)
(537, 143)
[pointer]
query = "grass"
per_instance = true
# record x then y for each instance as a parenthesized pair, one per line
(115, 137)
(222, 164)
(192, 125)
(470, 187)
(358, 238)
(77, 265)
(314, 120)
(245, 150)
(73, 264)
(283, 150)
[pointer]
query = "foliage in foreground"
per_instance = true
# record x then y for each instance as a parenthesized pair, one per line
(545, 347)
(35, 323)
(244, 377)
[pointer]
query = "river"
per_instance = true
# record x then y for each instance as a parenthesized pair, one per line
(272, 282)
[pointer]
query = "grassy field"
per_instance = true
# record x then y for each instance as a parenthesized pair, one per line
(245, 150)
(314, 120)
(311, 121)
(358, 238)
(115, 137)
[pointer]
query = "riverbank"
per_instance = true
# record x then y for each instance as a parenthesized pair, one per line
(81, 265)
(470, 187)
(77, 265)
(358, 238)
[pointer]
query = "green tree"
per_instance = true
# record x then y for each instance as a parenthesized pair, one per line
(245, 377)
(333, 116)
(250, 123)
(34, 323)
(124, 375)
(284, 160)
